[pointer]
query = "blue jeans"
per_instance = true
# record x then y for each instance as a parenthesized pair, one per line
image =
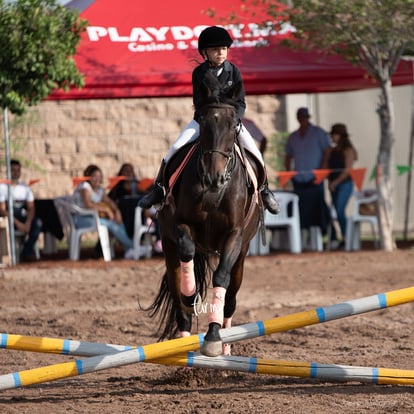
(117, 230)
(35, 229)
(340, 197)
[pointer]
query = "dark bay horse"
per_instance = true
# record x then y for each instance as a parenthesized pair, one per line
(210, 215)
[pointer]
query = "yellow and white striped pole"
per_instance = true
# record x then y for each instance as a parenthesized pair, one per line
(193, 343)
(327, 372)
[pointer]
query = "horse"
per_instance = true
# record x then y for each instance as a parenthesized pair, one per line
(210, 215)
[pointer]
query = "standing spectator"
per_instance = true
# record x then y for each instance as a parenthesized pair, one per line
(341, 157)
(308, 147)
(91, 194)
(25, 219)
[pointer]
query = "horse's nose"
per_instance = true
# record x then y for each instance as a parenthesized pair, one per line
(214, 182)
(218, 181)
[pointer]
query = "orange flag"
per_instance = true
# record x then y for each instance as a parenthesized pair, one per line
(145, 184)
(113, 181)
(77, 180)
(33, 181)
(357, 175)
(320, 175)
(285, 176)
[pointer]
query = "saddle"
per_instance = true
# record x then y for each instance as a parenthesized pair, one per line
(255, 174)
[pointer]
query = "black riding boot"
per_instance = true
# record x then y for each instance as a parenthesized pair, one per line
(156, 196)
(269, 199)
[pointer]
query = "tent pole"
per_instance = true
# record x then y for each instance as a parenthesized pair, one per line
(10, 198)
(410, 172)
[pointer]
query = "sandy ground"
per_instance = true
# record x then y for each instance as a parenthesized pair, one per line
(95, 301)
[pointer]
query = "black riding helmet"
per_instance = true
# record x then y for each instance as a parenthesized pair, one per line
(213, 36)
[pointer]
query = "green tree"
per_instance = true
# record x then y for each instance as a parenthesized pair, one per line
(38, 39)
(372, 34)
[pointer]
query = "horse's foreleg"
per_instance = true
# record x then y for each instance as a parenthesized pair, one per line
(226, 279)
(183, 319)
(184, 324)
(212, 345)
(188, 289)
(188, 286)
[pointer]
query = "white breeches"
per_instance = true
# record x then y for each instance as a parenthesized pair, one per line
(192, 131)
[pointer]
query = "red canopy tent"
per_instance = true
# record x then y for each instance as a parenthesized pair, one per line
(141, 49)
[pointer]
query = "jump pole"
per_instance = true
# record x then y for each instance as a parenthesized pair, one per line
(58, 346)
(314, 370)
(192, 343)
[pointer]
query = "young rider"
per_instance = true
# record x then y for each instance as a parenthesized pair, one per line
(213, 45)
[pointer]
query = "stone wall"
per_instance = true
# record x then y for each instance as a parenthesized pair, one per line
(63, 137)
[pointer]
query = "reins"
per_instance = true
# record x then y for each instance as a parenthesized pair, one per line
(230, 156)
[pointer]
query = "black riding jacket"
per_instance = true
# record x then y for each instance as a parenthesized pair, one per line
(229, 78)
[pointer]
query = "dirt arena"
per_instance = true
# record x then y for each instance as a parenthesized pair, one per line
(95, 301)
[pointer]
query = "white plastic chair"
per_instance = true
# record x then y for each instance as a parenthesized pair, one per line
(353, 227)
(66, 210)
(144, 233)
(315, 238)
(282, 220)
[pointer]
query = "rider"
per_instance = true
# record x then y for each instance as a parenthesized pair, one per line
(213, 45)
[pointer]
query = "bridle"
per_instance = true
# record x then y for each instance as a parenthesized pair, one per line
(230, 155)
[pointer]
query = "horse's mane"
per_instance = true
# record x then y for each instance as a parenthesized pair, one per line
(213, 92)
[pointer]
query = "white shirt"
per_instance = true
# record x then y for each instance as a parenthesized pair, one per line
(21, 194)
(96, 196)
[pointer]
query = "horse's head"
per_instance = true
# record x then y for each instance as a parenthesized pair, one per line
(218, 128)
(218, 131)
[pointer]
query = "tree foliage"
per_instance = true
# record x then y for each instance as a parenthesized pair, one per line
(372, 34)
(38, 39)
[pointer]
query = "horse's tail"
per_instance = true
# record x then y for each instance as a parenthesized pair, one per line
(168, 307)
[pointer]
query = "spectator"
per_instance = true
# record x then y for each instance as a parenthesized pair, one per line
(305, 150)
(125, 187)
(131, 187)
(25, 219)
(91, 194)
(256, 133)
(340, 158)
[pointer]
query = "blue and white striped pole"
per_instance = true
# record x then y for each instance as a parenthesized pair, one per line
(327, 372)
(192, 343)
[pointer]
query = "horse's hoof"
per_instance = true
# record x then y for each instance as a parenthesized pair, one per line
(212, 348)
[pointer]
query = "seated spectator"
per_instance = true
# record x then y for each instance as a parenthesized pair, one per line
(134, 187)
(91, 194)
(125, 187)
(25, 219)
